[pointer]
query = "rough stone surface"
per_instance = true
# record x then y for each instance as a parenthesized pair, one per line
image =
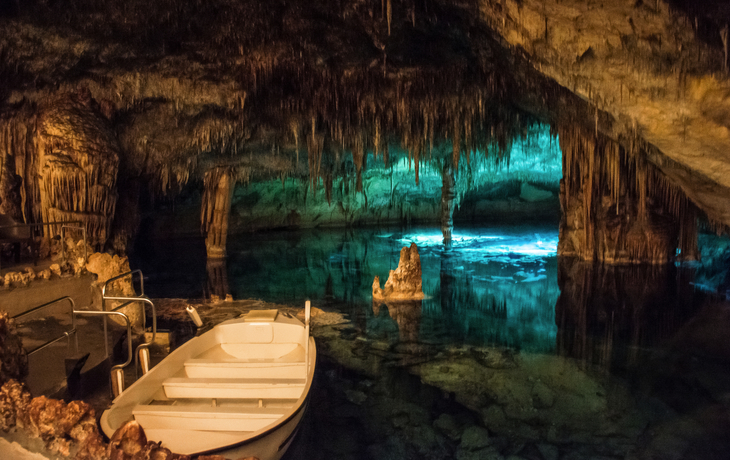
(669, 92)
(446, 424)
(13, 360)
(474, 438)
(64, 427)
(105, 266)
(404, 282)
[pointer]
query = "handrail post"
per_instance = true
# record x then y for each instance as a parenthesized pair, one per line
(142, 348)
(117, 372)
(66, 334)
(307, 314)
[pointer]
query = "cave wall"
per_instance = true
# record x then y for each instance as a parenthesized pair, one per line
(658, 69)
(59, 163)
(187, 91)
(617, 207)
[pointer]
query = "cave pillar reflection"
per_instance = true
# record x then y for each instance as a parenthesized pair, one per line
(219, 185)
(217, 278)
(448, 202)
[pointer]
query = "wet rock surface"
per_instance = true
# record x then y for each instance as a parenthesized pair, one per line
(13, 360)
(404, 283)
(65, 428)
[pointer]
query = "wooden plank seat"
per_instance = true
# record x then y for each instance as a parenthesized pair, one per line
(206, 417)
(237, 368)
(223, 388)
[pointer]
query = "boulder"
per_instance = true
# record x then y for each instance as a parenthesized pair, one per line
(105, 266)
(474, 438)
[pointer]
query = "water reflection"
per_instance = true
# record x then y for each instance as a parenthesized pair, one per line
(403, 317)
(495, 288)
(217, 278)
(555, 358)
(610, 315)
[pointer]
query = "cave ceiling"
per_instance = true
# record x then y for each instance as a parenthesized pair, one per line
(285, 88)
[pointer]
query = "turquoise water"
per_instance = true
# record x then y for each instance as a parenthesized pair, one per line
(514, 353)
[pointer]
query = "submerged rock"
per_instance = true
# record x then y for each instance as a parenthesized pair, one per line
(475, 438)
(494, 358)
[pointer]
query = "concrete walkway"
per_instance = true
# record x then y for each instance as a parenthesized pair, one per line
(48, 367)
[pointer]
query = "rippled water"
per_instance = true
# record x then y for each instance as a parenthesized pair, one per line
(512, 354)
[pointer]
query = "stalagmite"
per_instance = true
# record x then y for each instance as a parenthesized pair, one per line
(404, 283)
(216, 208)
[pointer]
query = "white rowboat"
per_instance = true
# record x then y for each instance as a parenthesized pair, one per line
(238, 390)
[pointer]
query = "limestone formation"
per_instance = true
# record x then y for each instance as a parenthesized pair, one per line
(216, 209)
(197, 105)
(65, 157)
(404, 283)
(617, 208)
(105, 266)
(13, 360)
(62, 426)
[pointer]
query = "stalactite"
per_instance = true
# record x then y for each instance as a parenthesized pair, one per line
(357, 158)
(448, 202)
(389, 13)
(456, 147)
(315, 145)
(66, 158)
(610, 181)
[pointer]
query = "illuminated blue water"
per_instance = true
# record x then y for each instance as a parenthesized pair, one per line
(547, 358)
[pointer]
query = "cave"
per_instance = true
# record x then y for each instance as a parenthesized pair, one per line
(561, 165)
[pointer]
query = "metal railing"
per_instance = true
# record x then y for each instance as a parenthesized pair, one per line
(142, 351)
(143, 348)
(66, 334)
(68, 224)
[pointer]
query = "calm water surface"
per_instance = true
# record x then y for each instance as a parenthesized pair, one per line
(513, 354)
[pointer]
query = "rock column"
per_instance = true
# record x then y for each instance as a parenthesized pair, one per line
(448, 202)
(219, 185)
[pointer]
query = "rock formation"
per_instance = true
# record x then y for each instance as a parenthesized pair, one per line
(216, 209)
(404, 283)
(64, 427)
(13, 360)
(62, 158)
(202, 104)
(618, 208)
(105, 266)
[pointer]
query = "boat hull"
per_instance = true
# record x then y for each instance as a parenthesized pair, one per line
(150, 397)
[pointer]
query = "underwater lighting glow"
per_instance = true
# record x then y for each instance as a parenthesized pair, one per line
(490, 245)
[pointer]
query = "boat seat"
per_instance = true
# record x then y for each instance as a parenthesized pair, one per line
(206, 417)
(237, 368)
(226, 388)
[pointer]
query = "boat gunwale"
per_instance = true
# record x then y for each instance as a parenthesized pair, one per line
(293, 412)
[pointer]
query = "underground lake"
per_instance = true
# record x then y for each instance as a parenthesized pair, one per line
(513, 353)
